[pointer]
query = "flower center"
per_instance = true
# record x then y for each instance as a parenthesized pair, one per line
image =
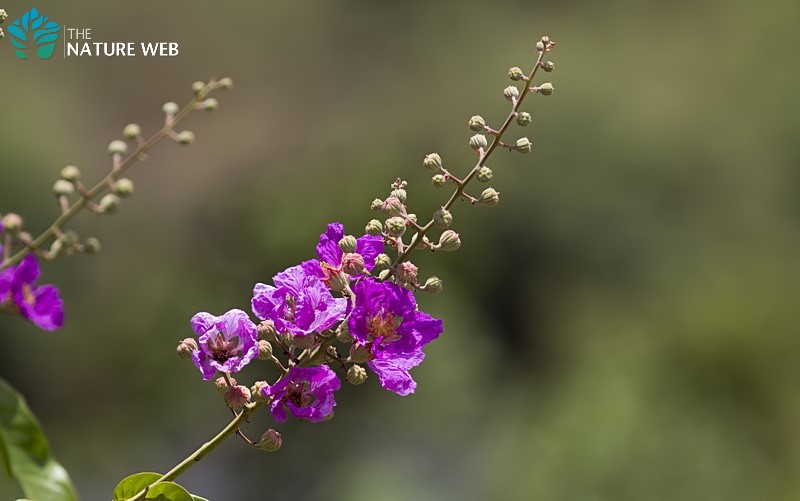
(223, 349)
(27, 294)
(290, 308)
(384, 325)
(297, 393)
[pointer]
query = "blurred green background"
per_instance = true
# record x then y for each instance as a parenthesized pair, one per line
(623, 326)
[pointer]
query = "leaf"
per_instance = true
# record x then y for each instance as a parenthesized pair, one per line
(26, 452)
(134, 484)
(198, 498)
(45, 34)
(168, 491)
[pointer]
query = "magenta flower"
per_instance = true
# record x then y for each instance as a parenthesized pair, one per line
(225, 343)
(39, 304)
(330, 255)
(386, 320)
(300, 304)
(306, 391)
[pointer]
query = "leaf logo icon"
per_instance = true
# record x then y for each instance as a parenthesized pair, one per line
(35, 28)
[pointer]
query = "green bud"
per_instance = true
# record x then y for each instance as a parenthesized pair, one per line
(356, 374)
(236, 396)
(198, 87)
(70, 173)
(442, 218)
(400, 194)
(524, 118)
(70, 238)
(270, 441)
(432, 162)
(393, 206)
(91, 246)
(548, 66)
(523, 145)
(63, 187)
(348, 243)
(266, 331)
(376, 204)
(210, 104)
(490, 197)
(383, 275)
(343, 333)
(226, 83)
(515, 73)
(539, 46)
(484, 174)
(476, 123)
(123, 187)
(374, 227)
(185, 138)
(170, 108)
(478, 141)
(264, 349)
(117, 147)
(511, 92)
(438, 180)
(382, 262)
(257, 391)
(449, 241)
(132, 131)
(109, 203)
(395, 226)
(57, 247)
(12, 222)
(222, 385)
(433, 284)
(360, 353)
(186, 347)
(545, 89)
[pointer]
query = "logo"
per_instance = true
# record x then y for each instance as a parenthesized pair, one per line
(34, 30)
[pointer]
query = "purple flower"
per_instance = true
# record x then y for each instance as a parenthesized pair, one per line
(386, 320)
(300, 304)
(225, 343)
(39, 304)
(306, 391)
(330, 255)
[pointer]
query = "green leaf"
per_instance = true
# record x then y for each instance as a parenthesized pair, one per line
(26, 453)
(198, 498)
(133, 485)
(168, 491)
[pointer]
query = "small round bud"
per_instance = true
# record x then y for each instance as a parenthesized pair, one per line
(186, 347)
(266, 331)
(197, 87)
(12, 222)
(117, 147)
(433, 284)
(57, 247)
(546, 40)
(210, 104)
(348, 243)
(222, 384)
(374, 227)
(226, 83)
(257, 391)
(343, 333)
(395, 226)
(484, 174)
(489, 197)
(545, 89)
(383, 275)
(478, 141)
(63, 187)
(400, 194)
(412, 217)
(548, 66)
(70, 238)
(170, 108)
(352, 263)
(449, 241)
(515, 73)
(539, 46)
(523, 145)
(70, 173)
(376, 204)
(476, 123)
(270, 441)
(132, 131)
(356, 374)
(236, 396)
(264, 349)
(393, 206)
(91, 246)
(432, 162)
(3, 16)
(438, 180)
(382, 262)
(123, 187)
(360, 353)
(511, 92)
(524, 118)
(185, 138)
(407, 272)
(25, 236)
(109, 203)
(442, 218)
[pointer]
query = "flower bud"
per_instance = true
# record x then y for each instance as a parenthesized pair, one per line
(360, 353)
(374, 227)
(132, 131)
(432, 162)
(412, 217)
(511, 92)
(548, 66)
(393, 206)
(484, 174)
(438, 180)
(62, 187)
(117, 147)
(382, 262)
(123, 187)
(356, 374)
(539, 46)
(186, 347)
(226, 83)
(70, 173)
(57, 247)
(266, 331)
(476, 123)
(109, 203)
(478, 141)
(433, 284)
(407, 273)
(185, 138)
(348, 243)
(545, 89)
(198, 87)
(257, 391)
(264, 349)
(170, 108)
(395, 226)
(515, 73)
(210, 104)
(236, 396)
(546, 40)
(343, 333)
(222, 384)
(352, 263)
(449, 241)
(442, 218)
(524, 118)
(376, 204)
(91, 246)
(12, 222)
(270, 441)
(400, 194)
(523, 145)
(489, 197)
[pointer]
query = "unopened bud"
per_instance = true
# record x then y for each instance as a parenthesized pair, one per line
(548, 66)
(449, 241)
(70, 173)
(511, 92)
(433, 284)
(356, 374)
(257, 391)
(374, 227)
(57, 247)
(12, 222)
(186, 347)
(442, 218)
(63, 187)
(393, 206)
(478, 141)
(523, 145)
(226, 83)
(348, 243)
(432, 162)
(236, 396)
(412, 217)
(476, 123)
(222, 384)
(400, 194)
(123, 187)
(185, 138)
(109, 203)
(352, 263)
(524, 118)
(376, 204)
(545, 89)
(360, 353)
(515, 73)
(484, 174)
(117, 147)
(264, 349)
(343, 333)
(170, 108)
(91, 246)
(132, 131)
(382, 262)
(210, 104)
(438, 180)
(266, 331)
(395, 226)
(539, 46)
(407, 273)
(270, 441)
(546, 40)
(489, 197)
(198, 87)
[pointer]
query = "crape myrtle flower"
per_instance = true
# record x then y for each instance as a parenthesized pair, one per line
(225, 343)
(329, 265)
(40, 304)
(306, 391)
(386, 321)
(299, 303)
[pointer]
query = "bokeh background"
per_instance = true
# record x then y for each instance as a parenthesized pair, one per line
(623, 326)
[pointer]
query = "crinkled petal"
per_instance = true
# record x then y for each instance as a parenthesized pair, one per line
(328, 248)
(46, 311)
(202, 322)
(27, 271)
(369, 246)
(393, 372)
